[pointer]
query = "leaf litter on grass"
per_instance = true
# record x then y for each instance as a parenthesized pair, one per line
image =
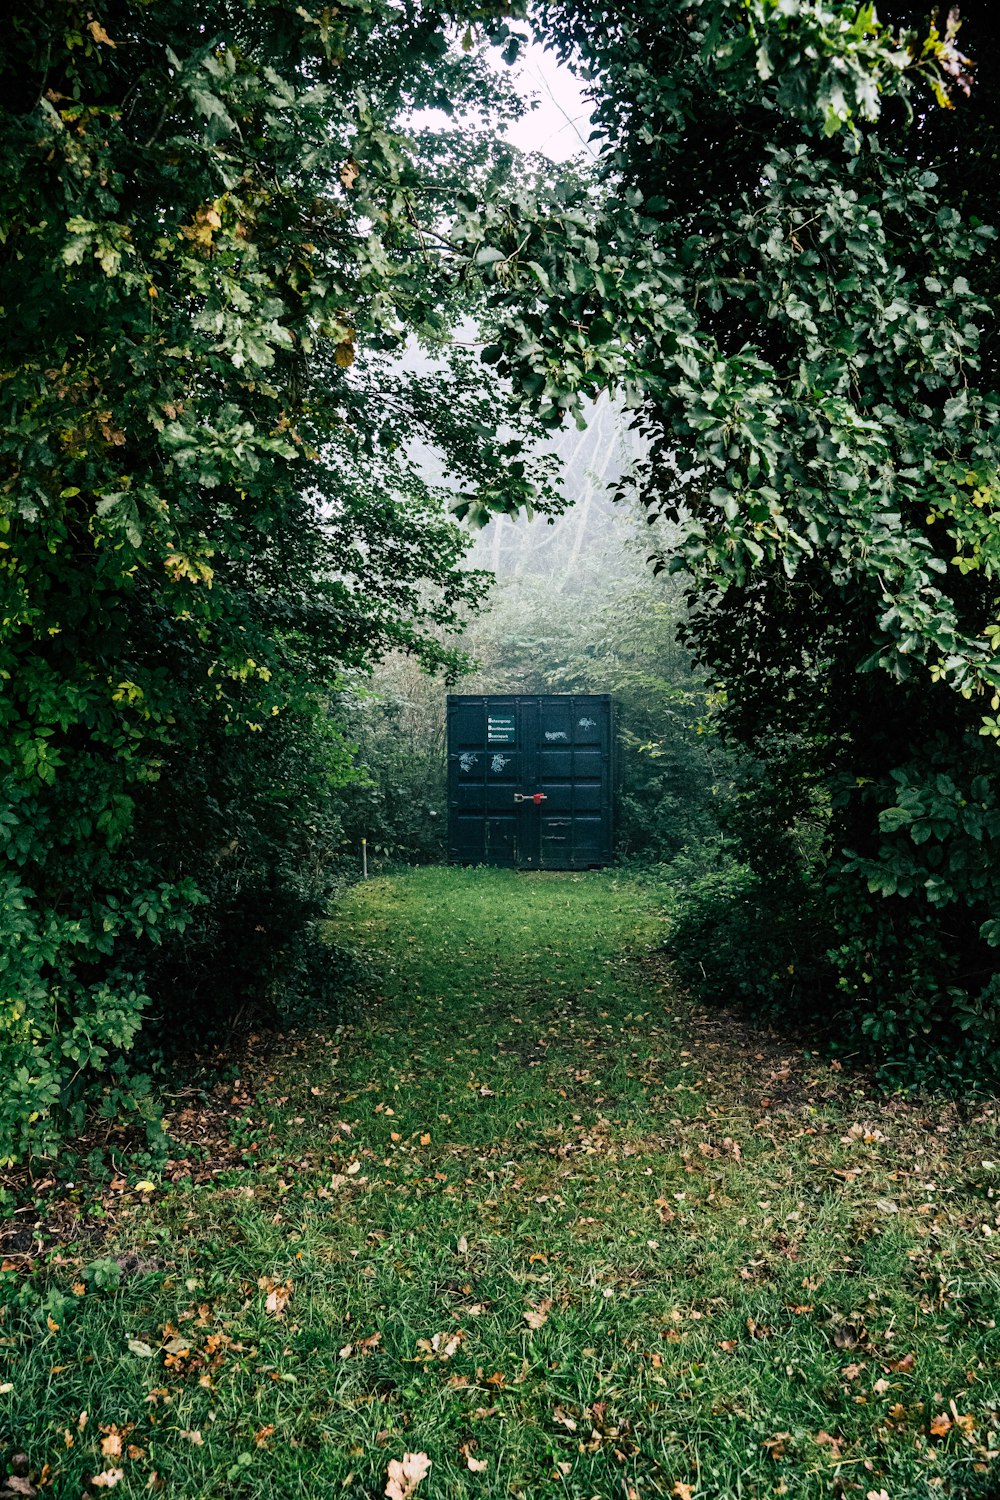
(660, 1252)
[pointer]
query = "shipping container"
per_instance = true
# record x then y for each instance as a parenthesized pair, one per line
(530, 780)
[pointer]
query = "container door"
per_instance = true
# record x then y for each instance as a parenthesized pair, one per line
(502, 751)
(574, 772)
(484, 772)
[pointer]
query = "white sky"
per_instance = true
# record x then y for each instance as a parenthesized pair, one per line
(559, 124)
(558, 120)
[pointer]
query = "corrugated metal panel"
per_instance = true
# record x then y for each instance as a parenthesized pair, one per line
(530, 780)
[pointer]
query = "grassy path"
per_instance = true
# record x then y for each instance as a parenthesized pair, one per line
(535, 1219)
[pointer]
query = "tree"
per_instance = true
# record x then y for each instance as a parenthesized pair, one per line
(786, 279)
(216, 240)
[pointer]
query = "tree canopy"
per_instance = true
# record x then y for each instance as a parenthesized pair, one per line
(784, 274)
(217, 238)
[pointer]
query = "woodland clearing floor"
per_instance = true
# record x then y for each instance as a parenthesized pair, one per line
(535, 1217)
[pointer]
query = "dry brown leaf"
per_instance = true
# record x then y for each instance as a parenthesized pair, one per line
(108, 1479)
(475, 1465)
(111, 1446)
(441, 1345)
(537, 1316)
(682, 1491)
(903, 1366)
(99, 34)
(193, 1436)
(405, 1474)
(349, 172)
(940, 1424)
(262, 1434)
(277, 1297)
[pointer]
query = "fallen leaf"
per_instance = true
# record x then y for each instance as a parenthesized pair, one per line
(261, 1436)
(564, 1419)
(777, 1443)
(140, 1347)
(903, 1366)
(405, 1474)
(682, 1491)
(108, 1479)
(463, 1246)
(425, 1139)
(441, 1345)
(536, 1317)
(475, 1465)
(940, 1424)
(277, 1295)
(880, 1387)
(111, 1446)
(194, 1437)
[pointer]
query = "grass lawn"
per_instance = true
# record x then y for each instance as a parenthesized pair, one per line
(534, 1217)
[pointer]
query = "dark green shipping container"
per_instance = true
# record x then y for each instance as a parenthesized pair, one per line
(530, 781)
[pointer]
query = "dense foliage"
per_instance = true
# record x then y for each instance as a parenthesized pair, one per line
(215, 241)
(789, 281)
(219, 230)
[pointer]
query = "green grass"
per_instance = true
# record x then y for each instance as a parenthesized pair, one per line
(749, 1275)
